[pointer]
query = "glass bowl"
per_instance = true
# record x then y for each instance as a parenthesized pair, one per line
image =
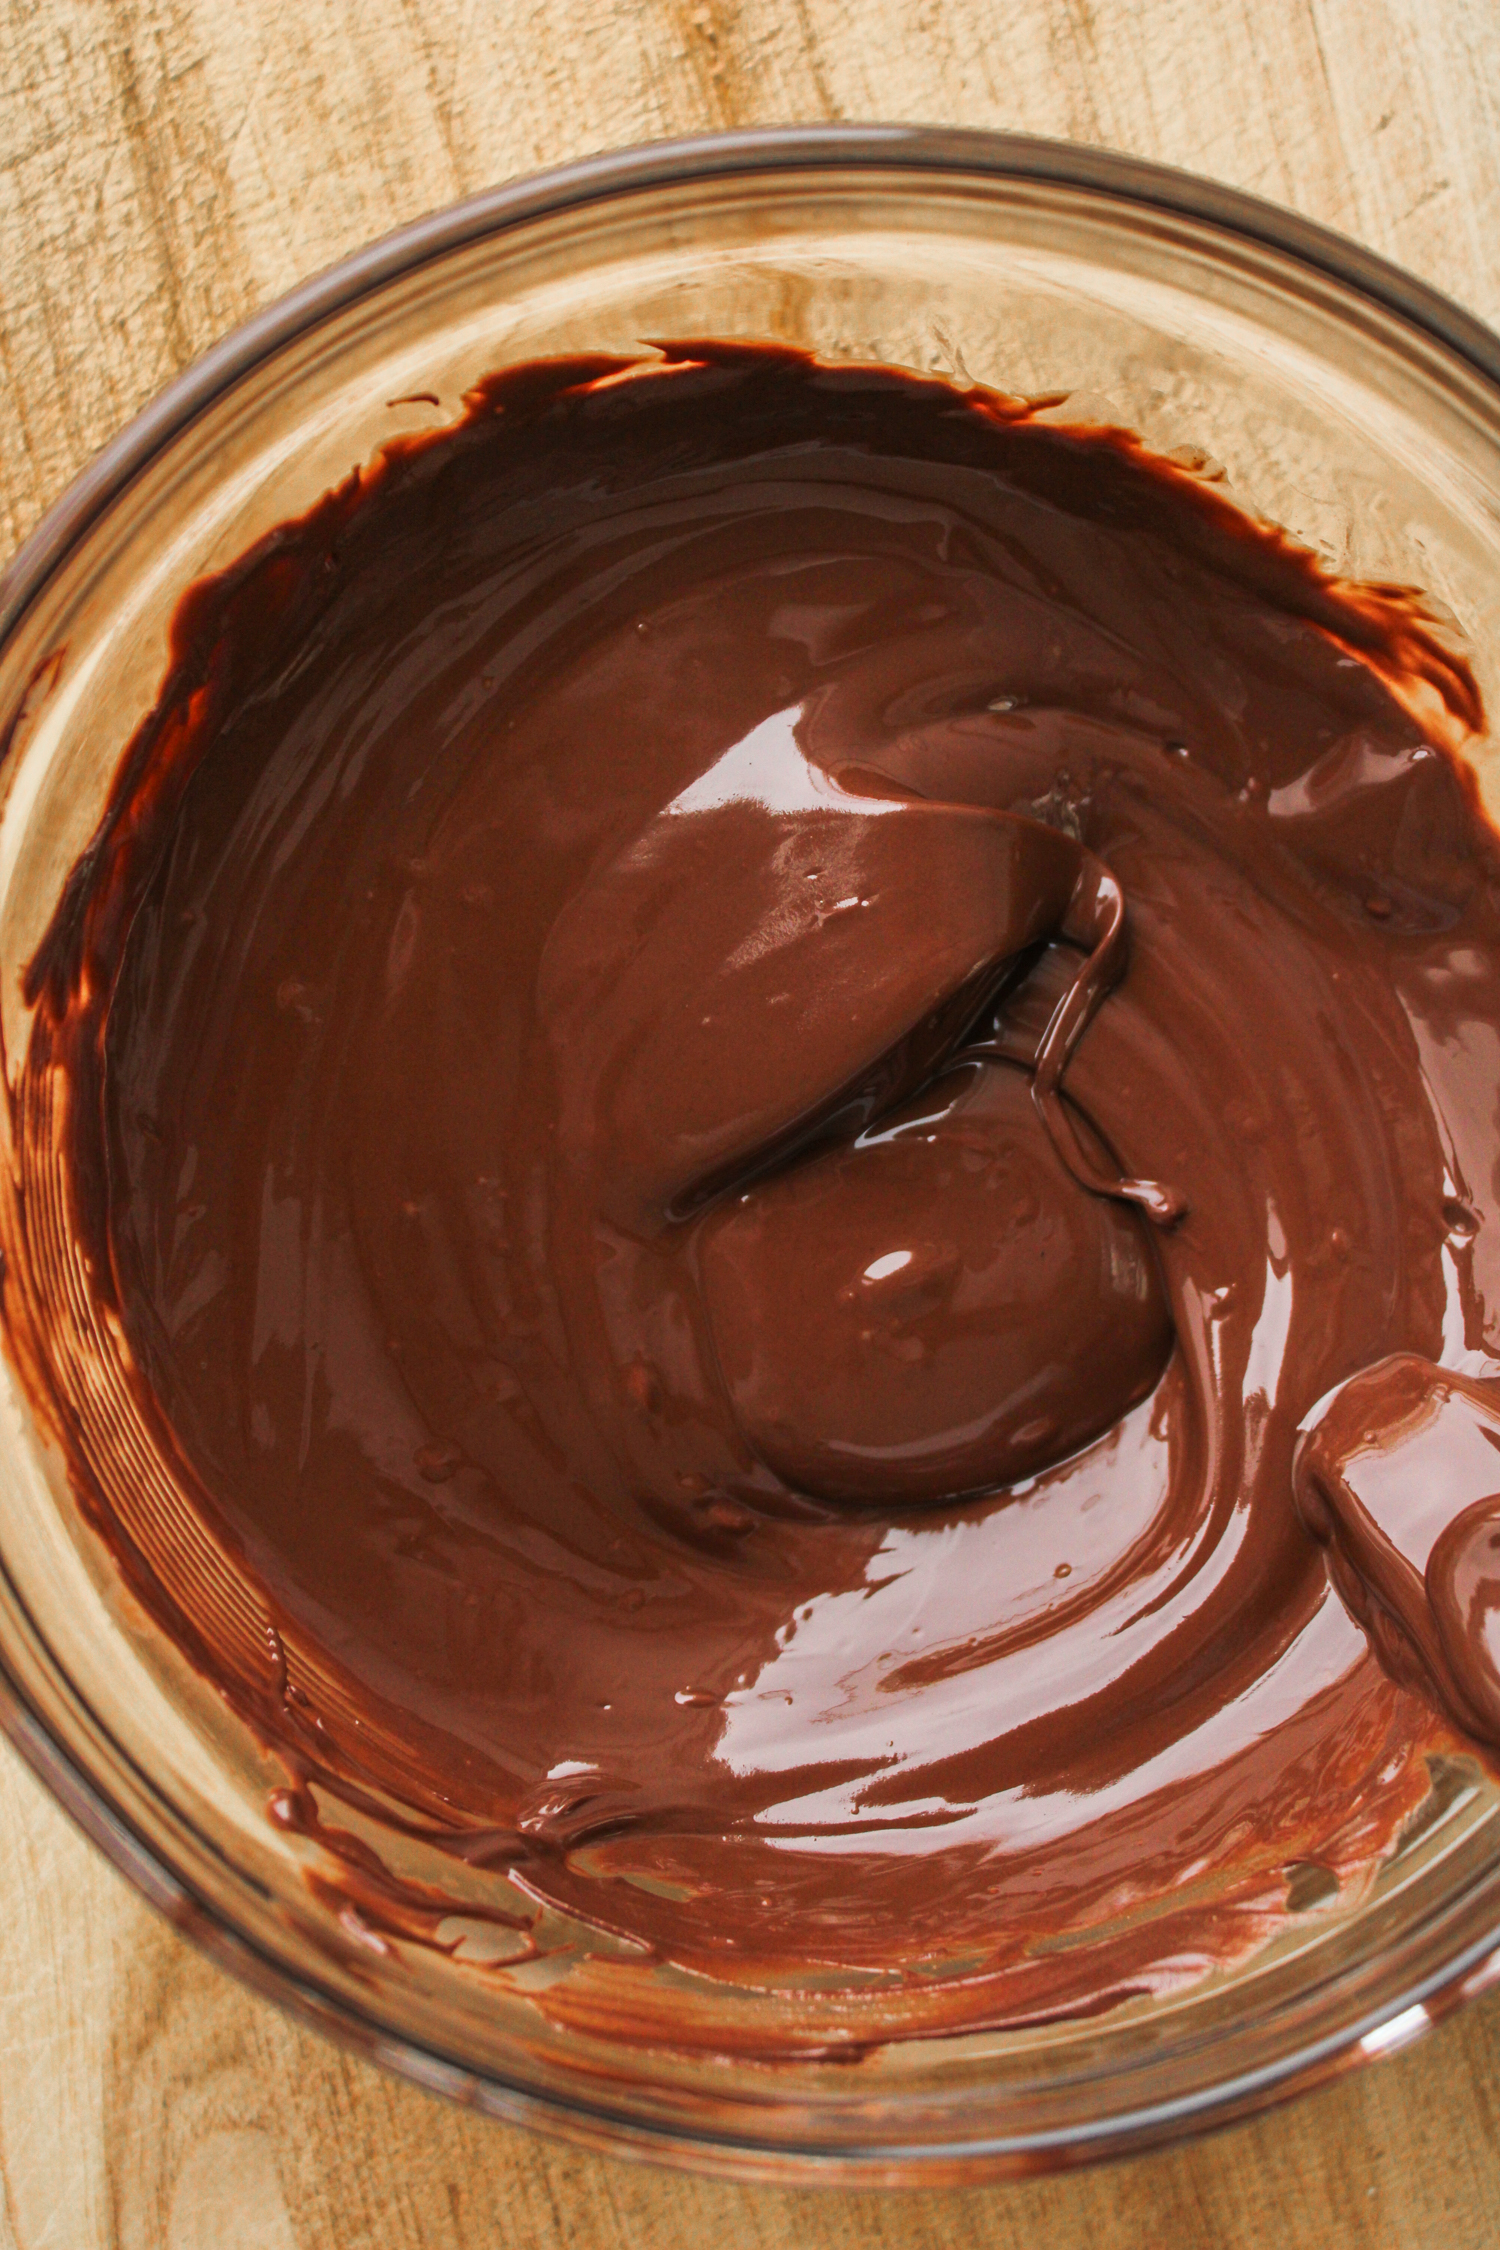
(1342, 400)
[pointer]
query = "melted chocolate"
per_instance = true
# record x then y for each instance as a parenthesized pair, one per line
(743, 1042)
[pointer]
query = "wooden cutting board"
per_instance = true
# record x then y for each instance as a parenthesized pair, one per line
(166, 166)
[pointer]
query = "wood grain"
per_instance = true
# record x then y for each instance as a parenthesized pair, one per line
(165, 167)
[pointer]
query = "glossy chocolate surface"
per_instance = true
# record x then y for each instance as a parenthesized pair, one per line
(744, 1042)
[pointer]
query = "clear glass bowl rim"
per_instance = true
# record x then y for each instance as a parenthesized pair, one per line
(608, 177)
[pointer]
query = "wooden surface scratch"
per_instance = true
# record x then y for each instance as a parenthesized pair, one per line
(166, 166)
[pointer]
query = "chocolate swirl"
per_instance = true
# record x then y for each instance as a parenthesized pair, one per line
(593, 1274)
